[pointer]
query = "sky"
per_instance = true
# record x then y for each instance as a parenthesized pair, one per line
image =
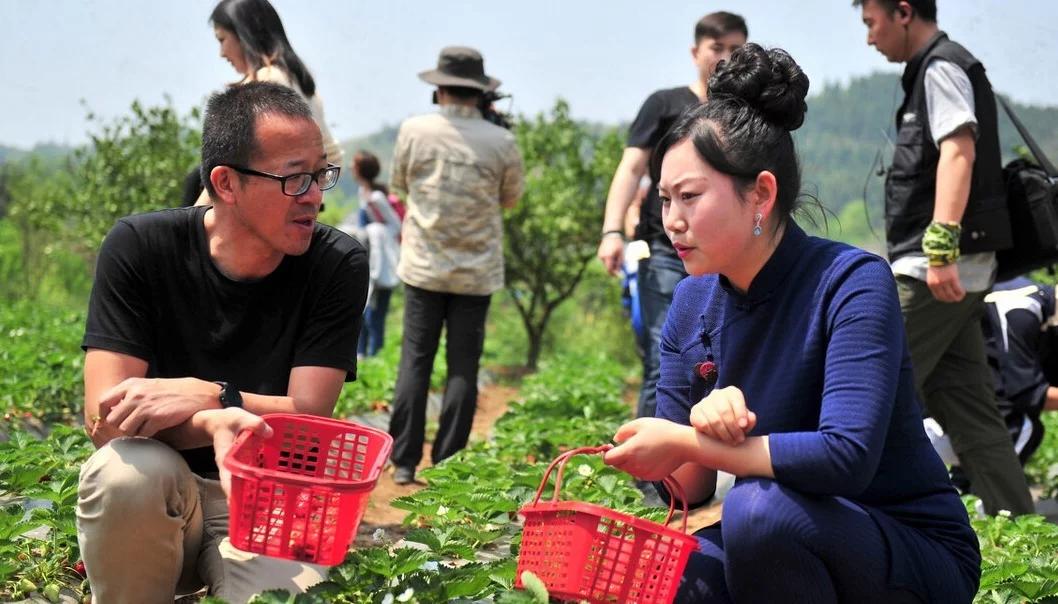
(603, 56)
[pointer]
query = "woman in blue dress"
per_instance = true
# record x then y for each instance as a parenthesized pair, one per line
(783, 362)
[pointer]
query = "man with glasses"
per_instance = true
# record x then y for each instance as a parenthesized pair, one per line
(200, 320)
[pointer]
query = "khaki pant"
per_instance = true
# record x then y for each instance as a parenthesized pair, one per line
(953, 378)
(150, 529)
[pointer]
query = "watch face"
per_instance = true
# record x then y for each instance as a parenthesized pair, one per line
(229, 395)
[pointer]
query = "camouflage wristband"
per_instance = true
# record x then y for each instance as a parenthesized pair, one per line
(940, 243)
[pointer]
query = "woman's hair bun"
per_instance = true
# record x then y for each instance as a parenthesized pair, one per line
(767, 80)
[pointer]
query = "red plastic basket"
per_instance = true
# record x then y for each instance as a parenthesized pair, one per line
(301, 493)
(583, 551)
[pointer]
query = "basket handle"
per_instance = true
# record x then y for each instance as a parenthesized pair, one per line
(673, 486)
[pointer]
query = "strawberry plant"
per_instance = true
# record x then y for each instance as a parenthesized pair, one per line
(38, 534)
(1019, 558)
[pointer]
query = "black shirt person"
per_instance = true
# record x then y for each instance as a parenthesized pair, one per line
(249, 297)
(716, 35)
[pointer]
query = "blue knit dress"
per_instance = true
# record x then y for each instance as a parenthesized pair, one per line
(817, 346)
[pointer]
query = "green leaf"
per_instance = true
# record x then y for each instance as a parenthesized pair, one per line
(273, 596)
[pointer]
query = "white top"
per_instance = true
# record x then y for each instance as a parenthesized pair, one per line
(276, 75)
(383, 239)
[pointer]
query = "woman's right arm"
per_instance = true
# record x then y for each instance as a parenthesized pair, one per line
(673, 405)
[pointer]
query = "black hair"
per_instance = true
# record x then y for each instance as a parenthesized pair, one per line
(192, 187)
(262, 37)
(924, 9)
(719, 24)
(463, 93)
(229, 128)
(367, 166)
(755, 100)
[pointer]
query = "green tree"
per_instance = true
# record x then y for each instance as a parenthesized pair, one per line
(56, 213)
(135, 164)
(551, 236)
(35, 196)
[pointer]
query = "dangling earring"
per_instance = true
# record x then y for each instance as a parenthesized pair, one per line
(756, 226)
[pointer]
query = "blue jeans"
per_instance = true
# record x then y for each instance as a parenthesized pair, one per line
(373, 334)
(657, 277)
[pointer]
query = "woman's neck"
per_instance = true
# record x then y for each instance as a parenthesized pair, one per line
(742, 276)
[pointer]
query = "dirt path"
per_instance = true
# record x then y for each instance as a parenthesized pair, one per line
(493, 400)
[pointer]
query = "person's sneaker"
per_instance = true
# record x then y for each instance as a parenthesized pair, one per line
(403, 475)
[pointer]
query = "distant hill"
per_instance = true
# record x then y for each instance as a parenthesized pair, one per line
(46, 151)
(844, 141)
(848, 130)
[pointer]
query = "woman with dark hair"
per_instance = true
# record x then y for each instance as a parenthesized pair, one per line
(253, 40)
(783, 362)
(380, 228)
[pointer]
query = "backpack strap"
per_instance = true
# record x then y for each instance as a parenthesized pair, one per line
(1041, 159)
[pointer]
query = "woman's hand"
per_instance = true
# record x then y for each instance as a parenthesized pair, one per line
(224, 425)
(650, 448)
(723, 416)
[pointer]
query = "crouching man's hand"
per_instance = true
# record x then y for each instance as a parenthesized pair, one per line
(224, 425)
(145, 407)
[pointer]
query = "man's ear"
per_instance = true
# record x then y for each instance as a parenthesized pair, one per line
(224, 181)
(904, 12)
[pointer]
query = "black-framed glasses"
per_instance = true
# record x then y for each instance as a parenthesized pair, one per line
(296, 184)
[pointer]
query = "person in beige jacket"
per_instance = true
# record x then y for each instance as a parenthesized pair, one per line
(456, 171)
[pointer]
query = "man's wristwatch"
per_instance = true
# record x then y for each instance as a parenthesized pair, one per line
(229, 395)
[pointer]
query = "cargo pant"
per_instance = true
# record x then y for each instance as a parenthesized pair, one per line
(952, 375)
(150, 529)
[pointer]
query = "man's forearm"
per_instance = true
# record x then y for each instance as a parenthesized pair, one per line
(954, 171)
(191, 434)
(622, 192)
(1051, 402)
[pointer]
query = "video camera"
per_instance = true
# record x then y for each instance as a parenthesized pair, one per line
(487, 105)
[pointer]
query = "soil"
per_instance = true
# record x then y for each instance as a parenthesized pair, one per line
(493, 400)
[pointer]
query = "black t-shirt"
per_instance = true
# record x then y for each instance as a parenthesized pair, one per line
(656, 116)
(159, 297)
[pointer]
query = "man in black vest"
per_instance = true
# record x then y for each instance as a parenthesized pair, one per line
(945, 218)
